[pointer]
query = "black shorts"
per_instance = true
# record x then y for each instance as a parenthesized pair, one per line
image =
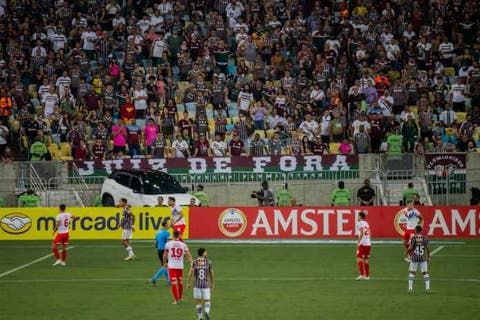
(160, 255)
(117, 149)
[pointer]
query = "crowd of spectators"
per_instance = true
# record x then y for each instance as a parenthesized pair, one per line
(111, 79)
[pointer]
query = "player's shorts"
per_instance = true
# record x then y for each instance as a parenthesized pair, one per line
(175, 274)
(180, 228)
(160, 254)
(127, 234)
(414, 266)
(408, 234)
(201, 294)
(61, 238)
(363, 252)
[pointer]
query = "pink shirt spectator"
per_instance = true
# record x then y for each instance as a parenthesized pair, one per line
(119, 133)
(345, 148)
(150, 132)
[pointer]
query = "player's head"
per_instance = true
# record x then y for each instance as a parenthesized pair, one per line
(410, 205)
(165, 222)
(361, 216)
(176, 234)
(341, 184)
(202, 252)
(171, 201)
(160, 200)
(62, 207)
(123, 202)
(418, 229)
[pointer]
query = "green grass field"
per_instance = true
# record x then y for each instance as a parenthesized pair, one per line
(281, 281)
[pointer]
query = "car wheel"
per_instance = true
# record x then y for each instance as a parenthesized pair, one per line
(107, 200)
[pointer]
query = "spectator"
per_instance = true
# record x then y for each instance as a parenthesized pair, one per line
(29, 199)
(4, 132)
(258, 146)
(362, 140)
(409, 193)
(180, 148)
(38, 150)
(341, 195)
(366, 195)
(264, 196)
(201, 196)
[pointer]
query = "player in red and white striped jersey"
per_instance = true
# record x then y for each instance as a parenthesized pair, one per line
(62, 224)
(175, 250)
(203, 271)
(363, 247)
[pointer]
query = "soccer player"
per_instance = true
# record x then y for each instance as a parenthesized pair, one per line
(203, 271)
(161, 239)
(414, 218)
(178, 221)
(174, 251)
(420, 257)
(62, 237)
(363, 247)
(127, 222)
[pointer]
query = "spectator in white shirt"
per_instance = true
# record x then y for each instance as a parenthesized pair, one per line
(448, 117)
(457, 95)
(309, 127)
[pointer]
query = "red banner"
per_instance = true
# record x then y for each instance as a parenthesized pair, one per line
(326, 222)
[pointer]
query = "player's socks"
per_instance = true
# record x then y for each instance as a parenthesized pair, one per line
(157, 274)
(180, 291)
(367, 269)
(207, 307)
(198, 308)
(426, 278)
(56, 254)
(64, 254)
(360, 268)
(129, 250)
(411, 277)
(174, 292)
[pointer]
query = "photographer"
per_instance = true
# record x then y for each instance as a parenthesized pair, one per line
(29, 198)
(264, 196)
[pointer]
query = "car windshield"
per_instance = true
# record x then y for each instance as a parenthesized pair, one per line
(162, 185)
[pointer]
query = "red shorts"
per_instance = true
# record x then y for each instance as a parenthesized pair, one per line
(175, 274)
(61, 238)
(408, 234)
(363, 252)
(180, 228)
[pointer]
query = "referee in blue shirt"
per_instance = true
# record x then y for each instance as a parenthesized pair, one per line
(161, 239)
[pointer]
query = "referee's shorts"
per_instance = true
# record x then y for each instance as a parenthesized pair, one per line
(160, 255)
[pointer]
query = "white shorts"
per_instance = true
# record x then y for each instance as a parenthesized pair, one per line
(127, 234)
(201, 294)
(414, 266)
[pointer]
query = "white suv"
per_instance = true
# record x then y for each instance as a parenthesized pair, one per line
(142, 188)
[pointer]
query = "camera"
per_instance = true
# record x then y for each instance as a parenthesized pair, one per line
(254, 194)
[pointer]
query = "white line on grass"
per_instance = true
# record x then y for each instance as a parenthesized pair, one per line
(26, 265)
(437, 250)
(87, 280)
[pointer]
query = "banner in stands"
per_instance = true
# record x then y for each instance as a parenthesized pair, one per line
(446, 172)
(327, 222)
(307, 167)
(93, 223)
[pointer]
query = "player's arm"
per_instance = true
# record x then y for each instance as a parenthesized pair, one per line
(420, 217)
(165, 254)
(179, 216)
(360, 235)
(190, 274)
(189, 256)
(211, 278)
(57, 225)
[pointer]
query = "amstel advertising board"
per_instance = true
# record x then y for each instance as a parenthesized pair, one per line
(94, 223)
(327, 222)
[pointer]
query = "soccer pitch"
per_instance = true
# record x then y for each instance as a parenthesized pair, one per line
(253, 281)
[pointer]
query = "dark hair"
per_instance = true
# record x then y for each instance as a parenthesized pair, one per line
(165, 221)
(123, 200)
(341, 184)
(362, 214)
(171, 198)
(176, 234)
(410, 184)
(201, 251)
(418, 229)
(62, 207)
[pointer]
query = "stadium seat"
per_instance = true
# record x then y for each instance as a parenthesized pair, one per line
(65, 149)
(334, 148)
(147, 63)
(450, 131)
(55, 151)
(449, 72)
(35, 102)
(270, 133)
(461, 116)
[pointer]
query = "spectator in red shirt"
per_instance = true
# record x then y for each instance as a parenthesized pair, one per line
(202, 147)
(82, 153)
(127, 111)
(236, 146)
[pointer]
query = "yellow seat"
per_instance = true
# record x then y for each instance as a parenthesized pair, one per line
(414, 110)
(393, 75)
(270, 133)
(461, 116)
(334, 148)
(451, 131)
(65, 149)
(449, 72)
(66, 158)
